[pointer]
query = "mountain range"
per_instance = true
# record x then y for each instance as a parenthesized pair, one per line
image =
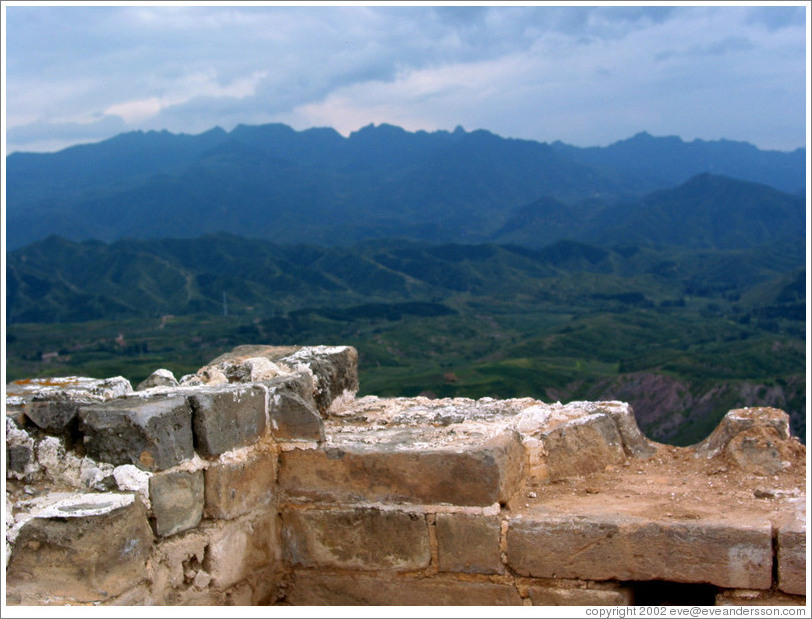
(318, 187)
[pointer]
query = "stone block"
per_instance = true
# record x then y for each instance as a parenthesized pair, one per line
(226, 418)
(468, 543)
(84, 548)
(742, 420)
(610, 546)
(395, 471)
(324, 588)
(791, 554)
(587, 594)
(292, 418)
(239, 548)
(360, 539)
(152, 433)
(177, 501)
(238, 484)
(54, 416)
(749, 597)
(334, 368)
(584, 445)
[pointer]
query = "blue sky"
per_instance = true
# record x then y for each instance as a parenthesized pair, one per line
(583, 74)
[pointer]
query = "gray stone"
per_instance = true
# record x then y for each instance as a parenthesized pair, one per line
(54, 416)
(335, 369)
(53, 404)
(238, 485)
(177, 501)
(151, 433)
(18, 457)
(228, 417)
(293, 418)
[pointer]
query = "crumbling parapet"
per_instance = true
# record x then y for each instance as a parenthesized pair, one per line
(261, 479)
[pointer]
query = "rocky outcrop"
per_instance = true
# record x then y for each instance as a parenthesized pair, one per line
(261, 479)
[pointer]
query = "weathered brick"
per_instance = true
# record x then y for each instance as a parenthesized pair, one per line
(550, 594)
(236, 485)
(466, 473)
(610, 546)
(791, 555)
(86, 548)
(324, 588)
(225, 418)
(152, 433)
(468, 543)
(362, 538)
(177, 501)
(238, 548)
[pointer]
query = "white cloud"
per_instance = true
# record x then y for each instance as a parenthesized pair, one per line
(586, 75)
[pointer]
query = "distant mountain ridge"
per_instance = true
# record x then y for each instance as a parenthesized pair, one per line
(316, 186)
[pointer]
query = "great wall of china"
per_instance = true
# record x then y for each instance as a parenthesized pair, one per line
(262, 479)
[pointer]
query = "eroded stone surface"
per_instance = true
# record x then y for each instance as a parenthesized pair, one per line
(325, 588)
(83, 548)
(606, 545)
(359, 539)
(400, 467)
(468, 544)
(239, 482)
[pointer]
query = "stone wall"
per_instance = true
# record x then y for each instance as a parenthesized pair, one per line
(262, 479)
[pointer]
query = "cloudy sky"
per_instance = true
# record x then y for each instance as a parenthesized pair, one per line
(587, 75)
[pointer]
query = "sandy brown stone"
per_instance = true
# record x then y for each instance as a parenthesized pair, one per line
(238, 548)
(91, 547)
(791, 554)
(235, 486)
(473, 473)
(612, 546)
(560, 594)
(358, 539)
(468, 543)
(324, 588)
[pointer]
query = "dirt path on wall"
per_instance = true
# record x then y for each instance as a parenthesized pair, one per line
(673, 484)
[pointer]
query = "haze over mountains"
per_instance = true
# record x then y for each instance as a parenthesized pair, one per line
(665, 273)
(317, 187)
